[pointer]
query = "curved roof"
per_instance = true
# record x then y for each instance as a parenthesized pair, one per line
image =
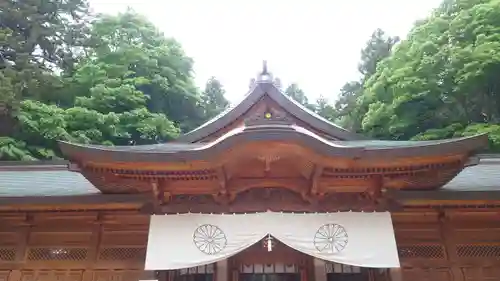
(258, 90)
(175, 152)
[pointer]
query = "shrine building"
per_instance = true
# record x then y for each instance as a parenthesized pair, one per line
(266, 191)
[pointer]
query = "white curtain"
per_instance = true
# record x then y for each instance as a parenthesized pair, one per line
(360, 239)
(188, 240)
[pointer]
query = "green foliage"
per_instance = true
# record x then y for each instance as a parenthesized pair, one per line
(37, 37)
(117, 80)
(296, 93)
(127, 85)
(213, 100)
(325, 109)
(349, 112)
(441, 81)
(10, 149)
(129, 49)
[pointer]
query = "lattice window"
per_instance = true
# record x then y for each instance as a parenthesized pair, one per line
(269, 268)
(478, 251)
(7, 254)
(122, 254)
(57, 254)
(430, 251)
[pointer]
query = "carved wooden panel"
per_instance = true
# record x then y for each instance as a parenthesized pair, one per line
(488, 251)
(122, 249)
(122, 254)
(57, 254)
(421, 251)
(57, 249)
(7, 254)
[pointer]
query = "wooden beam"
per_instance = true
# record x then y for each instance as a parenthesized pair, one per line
(443, 195)
(297, 184)
(95, 201)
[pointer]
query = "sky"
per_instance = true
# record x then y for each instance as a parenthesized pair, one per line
(315, 43)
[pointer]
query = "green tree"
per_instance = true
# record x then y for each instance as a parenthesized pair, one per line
(106, 97)
(131, 42)
(296, 93)
(37, 40)
(377, 48)
(325, 109)
(213, 100)
(441, 81)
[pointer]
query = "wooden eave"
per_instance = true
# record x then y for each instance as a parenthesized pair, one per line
(210, 153)
(270, 156)
(257, 91)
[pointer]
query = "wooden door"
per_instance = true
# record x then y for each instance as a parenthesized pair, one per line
(281, 264)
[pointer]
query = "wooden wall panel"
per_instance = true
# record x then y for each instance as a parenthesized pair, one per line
(449, 246)
(427, 274)
(111, 246)
(80, 246)
(116, 275)
(4, 275)
(52, 275)
(481, 273)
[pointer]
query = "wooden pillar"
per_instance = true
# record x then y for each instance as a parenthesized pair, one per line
(446, 232)
(221, 270)
(319, 270)
(396, 274)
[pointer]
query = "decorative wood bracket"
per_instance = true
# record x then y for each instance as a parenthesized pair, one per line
(315, 177)
(156, 195)
(268, 159)
(375, 191)
(159, 195)
(222, 197)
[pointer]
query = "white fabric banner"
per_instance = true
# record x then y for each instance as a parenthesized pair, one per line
(188, 240)
(360, 239)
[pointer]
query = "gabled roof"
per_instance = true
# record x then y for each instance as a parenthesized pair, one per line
(258, 90)
(170, 153)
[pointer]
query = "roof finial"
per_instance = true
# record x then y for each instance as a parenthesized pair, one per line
(264, 68)
(265, 75)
